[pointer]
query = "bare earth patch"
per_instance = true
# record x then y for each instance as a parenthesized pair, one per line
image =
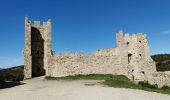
(40, 89)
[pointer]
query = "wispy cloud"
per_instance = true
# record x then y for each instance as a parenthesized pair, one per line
(166, 32)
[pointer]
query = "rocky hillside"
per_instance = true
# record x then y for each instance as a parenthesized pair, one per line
(1, 68)
(162, 62)
(12, 74)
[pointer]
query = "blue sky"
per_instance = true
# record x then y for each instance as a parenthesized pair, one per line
(83, 25)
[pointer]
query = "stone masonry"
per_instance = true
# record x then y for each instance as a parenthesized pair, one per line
(130, 57)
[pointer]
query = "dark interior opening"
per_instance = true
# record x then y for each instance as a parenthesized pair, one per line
(132, 70)
(133, 75)
(37, 53)
(143, 72)
(129, 57)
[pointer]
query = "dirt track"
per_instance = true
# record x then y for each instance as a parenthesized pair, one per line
(39, 89)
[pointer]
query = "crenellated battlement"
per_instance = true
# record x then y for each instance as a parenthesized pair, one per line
(37, 24)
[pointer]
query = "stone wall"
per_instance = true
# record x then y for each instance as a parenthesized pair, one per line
(130, 57)
(104, 61)
(160, 79)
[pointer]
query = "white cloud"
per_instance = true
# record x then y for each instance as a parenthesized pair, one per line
(166, 32)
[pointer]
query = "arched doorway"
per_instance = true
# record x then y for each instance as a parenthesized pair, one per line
(37, 52)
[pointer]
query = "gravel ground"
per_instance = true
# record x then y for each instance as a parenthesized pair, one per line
(39, 89)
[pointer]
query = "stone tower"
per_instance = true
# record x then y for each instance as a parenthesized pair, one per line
(37, 49)
(134, 53)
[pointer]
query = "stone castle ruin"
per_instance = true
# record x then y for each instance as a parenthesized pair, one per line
(130, 57)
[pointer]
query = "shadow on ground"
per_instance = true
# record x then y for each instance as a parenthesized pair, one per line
(10, 84)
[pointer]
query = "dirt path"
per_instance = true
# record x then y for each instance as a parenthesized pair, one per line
(39, 89)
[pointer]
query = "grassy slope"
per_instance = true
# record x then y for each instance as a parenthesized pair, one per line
(119, 81)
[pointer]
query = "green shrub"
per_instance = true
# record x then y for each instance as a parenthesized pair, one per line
(165, 87)
(145, 84)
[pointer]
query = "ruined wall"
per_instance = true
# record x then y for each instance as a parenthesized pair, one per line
(160, 79)
(105, 61)
(130, 57)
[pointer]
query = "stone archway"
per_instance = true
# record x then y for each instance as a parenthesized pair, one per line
(37, 52)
